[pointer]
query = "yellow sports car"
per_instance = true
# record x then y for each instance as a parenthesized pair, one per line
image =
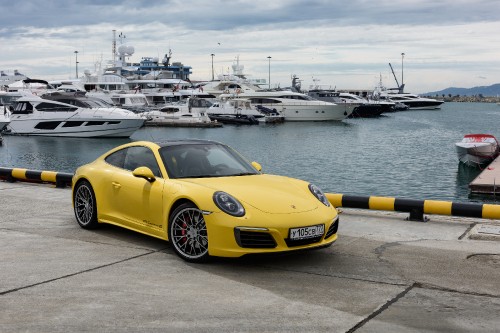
(204, 198)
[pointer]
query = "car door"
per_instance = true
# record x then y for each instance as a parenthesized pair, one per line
(138, 202)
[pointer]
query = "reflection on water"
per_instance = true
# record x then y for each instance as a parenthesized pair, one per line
(407, 154)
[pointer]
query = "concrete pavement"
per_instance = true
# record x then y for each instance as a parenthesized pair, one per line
(384, 274)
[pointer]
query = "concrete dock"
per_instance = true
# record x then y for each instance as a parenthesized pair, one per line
(384, 274)
(488, 181)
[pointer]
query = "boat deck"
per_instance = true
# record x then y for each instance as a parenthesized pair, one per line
(488, 181)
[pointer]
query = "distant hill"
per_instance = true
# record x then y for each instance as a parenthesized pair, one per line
(492, 91)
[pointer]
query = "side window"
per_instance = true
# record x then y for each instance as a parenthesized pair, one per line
(141, 156)
(117, 159)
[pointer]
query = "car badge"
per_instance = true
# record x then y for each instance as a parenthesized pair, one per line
(293, 206)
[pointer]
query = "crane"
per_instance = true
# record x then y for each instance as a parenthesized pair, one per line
(400, 87)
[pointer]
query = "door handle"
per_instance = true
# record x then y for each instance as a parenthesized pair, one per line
(116, 185)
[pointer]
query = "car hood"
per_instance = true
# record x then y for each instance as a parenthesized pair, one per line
(267, 193)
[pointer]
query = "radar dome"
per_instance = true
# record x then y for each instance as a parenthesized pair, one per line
(126, 50)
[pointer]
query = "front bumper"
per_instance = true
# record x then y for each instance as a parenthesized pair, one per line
(240, 237)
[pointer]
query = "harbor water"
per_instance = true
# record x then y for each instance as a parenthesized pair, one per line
(408, 154)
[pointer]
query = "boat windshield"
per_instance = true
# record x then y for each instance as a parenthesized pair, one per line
(204, 160)
(97, 103)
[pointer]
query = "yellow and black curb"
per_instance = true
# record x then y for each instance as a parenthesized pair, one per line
(60, 179)
(416, 208)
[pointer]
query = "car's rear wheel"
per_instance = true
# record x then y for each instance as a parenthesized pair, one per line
(84, 205)
(187, 232)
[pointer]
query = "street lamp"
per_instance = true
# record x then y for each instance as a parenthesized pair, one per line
(269, 57)
(76, 63)
(402, 82)
(212, 66)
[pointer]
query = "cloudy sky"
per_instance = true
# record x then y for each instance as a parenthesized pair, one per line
(347, 44)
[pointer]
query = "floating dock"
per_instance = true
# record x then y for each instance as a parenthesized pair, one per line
(488, 181)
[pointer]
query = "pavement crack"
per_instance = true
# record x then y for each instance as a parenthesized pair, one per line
(338, 276)
(451, 290)
(467, 231)
(78, 273)
(381, 309)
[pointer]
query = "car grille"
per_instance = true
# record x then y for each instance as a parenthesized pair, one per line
(254, 239)
(333, 229)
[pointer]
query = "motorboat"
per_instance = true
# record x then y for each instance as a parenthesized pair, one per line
(295, 106)
(242, 111)
(234, 83)
(413, 101)
(360, 106)
(477, 149)
(8, 79)
(133, 101)
(70, 115)
(188, 113)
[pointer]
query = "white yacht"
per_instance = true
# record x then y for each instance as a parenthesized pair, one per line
(360, 107)
(187, 113)
(242, 111)
(8, 79)
(133, 101)
(412, 101)
(70, 115)
(296, 106)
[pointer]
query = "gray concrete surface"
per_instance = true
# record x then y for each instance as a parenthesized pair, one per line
(384, 274)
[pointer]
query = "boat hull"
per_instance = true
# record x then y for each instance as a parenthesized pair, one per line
(319, 112)
(476, 154)
(112, 128)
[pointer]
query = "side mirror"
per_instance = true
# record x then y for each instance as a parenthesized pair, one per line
(144, 172)
(257, 166)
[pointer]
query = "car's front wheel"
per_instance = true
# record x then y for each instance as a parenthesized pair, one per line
(187, 232)
(84, 205)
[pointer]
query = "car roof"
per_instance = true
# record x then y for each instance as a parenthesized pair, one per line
(179, 142)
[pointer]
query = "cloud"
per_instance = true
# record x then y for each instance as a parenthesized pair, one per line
(334, 40)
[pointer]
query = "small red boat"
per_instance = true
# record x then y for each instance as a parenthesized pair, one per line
(477, 149)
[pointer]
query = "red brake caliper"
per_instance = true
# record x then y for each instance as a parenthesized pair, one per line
(184, 228)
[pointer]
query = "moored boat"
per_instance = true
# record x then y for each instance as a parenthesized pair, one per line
(188, 113)
(242, 111)
(70, 115)
(477, 149)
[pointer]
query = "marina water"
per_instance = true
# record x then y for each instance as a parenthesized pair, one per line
(408, 154)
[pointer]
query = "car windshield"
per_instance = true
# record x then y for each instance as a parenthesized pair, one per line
(204, 160)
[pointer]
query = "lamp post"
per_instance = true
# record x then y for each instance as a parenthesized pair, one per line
(76, 63)
(269, 57)
(212, 66)
(402, 81)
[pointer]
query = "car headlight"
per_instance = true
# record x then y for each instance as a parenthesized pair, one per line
(316, 191)
(228, 204)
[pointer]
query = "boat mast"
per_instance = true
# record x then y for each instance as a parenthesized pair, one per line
(113, 47)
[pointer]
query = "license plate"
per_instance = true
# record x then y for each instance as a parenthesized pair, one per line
(307, 232)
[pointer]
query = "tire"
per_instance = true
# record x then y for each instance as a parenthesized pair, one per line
(187, 232)
(84, 205)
